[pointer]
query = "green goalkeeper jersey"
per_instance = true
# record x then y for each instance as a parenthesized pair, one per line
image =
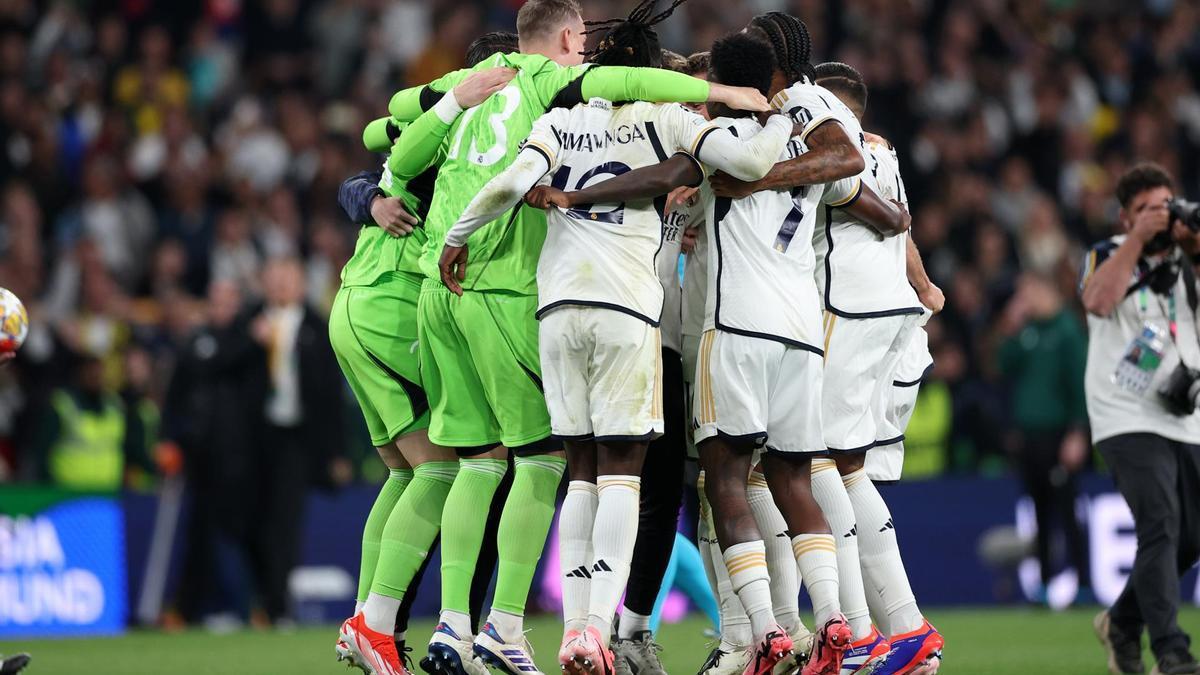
(376, 253)
(484, 140)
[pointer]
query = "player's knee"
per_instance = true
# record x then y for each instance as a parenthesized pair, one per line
(849, 463)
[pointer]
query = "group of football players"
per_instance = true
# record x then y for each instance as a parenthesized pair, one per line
(513, 311)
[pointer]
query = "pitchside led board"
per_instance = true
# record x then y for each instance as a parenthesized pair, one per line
(62, 564)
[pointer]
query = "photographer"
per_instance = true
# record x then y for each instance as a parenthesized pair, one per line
(1139, 289)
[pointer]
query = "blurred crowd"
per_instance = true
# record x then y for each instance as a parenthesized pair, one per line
(154, 155)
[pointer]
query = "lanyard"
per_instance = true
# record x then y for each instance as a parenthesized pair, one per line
(1144, 303)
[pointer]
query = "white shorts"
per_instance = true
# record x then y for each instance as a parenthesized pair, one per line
(861, 356)
(602, 373)
(758, 391)
(886, 462)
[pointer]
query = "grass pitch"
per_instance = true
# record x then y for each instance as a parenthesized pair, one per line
(978, 642)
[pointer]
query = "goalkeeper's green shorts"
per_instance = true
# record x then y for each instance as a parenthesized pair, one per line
(480, 368)
(373, 330)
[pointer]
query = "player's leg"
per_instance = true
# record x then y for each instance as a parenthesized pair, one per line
(564, 355)
(732, 654)
(733, 387)
(575, 521)
(879, 553)
(624, 402)
(460, 418)
(781, 563)
(503, 339)
(372, 330)
(854, 350)
(658, 514)
(794, 439)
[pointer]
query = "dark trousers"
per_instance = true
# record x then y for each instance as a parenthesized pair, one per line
(1160, 479)
(1054, 493)
(662, 494)
(281, 483)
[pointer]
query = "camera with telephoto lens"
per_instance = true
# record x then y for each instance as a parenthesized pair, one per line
(1181, 392)
(1185, 212)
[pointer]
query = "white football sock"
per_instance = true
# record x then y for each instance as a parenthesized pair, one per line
(510, 627)
(631, 623)
(747, 566)
(735, 625)
(575, 551)
(613, 537)
(358, 606)
(380, 613)
(457, 621)
(882, 566)
(831, 495)
(781, 564)
(816, 555)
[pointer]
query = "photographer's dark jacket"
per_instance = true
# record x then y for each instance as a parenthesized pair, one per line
(1112, 409)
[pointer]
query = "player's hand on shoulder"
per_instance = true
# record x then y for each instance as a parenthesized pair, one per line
(480, 85)
(390, 214)
(544, 196)
(724, 185)
(452, 266)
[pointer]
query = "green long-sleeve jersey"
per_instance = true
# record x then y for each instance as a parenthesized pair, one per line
(484, 140)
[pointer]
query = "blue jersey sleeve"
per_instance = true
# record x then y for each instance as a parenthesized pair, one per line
(356, 194)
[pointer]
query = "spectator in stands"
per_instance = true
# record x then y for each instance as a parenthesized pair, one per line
(80, 444)
(300, 442)
(209, 420)
(1042, 359)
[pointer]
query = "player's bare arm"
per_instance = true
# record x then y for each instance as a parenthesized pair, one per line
(644, 183)
(927, 292)
(888, 218)
(1105, 287)
(831, 156)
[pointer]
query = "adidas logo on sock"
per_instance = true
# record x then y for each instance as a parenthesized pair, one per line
(580, 572)
(601, 566)
(887, 526)
(852, 533)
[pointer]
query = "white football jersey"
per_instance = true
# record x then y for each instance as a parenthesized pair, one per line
(695, 280)
(760, 280)
(674, 223)
(604, 255)
(860, 273)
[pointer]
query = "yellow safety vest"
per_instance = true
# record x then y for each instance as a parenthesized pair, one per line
(88, 454)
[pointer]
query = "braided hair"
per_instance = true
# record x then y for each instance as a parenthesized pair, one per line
(631, 41)
(791, 41)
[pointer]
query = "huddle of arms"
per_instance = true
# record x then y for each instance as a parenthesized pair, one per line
(432, 113)
(681, 171)
(714, 146)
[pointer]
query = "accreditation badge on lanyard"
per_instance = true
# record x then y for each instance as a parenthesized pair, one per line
(1144, 354)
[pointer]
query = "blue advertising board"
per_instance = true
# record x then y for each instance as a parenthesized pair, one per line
(62, 564)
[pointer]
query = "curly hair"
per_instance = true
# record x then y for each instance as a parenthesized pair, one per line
(742, 60)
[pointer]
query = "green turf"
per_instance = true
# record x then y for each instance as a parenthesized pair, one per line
(979, 642)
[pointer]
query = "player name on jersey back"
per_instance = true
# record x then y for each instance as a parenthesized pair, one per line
(604, 255)
(760, 279)
(860, 273)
